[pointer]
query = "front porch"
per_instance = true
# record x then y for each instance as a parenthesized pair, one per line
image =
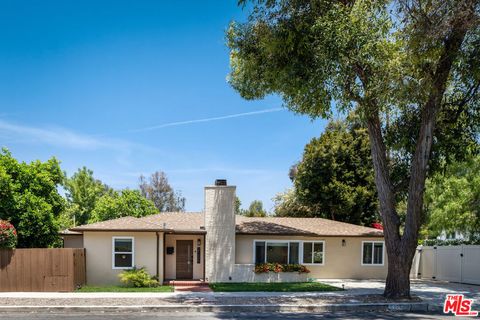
(184, 256)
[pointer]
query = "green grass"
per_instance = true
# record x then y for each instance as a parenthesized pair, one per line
(124, 289)
(272, 287)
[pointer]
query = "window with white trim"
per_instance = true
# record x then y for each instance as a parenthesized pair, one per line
(313, 252)
(372, 252)
(122, 252)
(288, 252)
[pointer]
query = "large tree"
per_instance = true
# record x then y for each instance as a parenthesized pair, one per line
(158, 189)
(82, 193)
(335, 176)
(388, 59)
(29, 199)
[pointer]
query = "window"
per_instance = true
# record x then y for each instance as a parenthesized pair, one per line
(313, 252)
(259, 252)
(372, 253)
(285, 252)
(123, 250)
(294, 257)
(277, 252)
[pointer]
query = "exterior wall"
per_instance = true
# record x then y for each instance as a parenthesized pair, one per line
(171, 259)
(343, 262)
(244, 273)
(220, 238)
(73, 241)
(99, 255)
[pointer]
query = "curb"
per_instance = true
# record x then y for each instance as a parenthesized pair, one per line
(392, 307)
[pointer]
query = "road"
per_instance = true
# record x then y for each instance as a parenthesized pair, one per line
(211, 316)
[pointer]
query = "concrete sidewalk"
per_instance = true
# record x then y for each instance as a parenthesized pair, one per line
(359, 295)
(430, 291)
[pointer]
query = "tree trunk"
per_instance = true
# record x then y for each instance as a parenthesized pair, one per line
(401, 247)
(397, 284)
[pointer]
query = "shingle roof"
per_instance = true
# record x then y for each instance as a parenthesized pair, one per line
(178, 221)
(124, 223)
(301, 226)
(194, 222)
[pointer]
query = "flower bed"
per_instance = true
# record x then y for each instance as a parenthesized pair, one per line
(278, 267)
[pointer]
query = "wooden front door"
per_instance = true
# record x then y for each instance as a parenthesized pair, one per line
(184, 259)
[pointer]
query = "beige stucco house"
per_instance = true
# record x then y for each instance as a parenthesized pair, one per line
(218, 246)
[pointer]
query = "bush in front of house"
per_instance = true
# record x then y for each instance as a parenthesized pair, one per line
(473, 240)
(138, 278)
(278, 267)
(8, 235)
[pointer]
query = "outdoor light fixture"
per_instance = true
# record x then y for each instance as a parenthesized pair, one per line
(344, 243)
(198, 242)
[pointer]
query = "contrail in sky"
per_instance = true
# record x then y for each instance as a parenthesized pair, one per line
(181, 123)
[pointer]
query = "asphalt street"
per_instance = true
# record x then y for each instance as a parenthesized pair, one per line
(218, 316)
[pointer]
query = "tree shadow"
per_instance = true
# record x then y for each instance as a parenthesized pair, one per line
(6, 256)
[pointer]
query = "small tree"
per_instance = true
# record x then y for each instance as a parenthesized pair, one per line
(158, 189)
(8, 235)
(255, 210)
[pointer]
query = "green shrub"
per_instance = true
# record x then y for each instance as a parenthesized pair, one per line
(8, 235)
(278, 267)
(137, 278)
(473, 240)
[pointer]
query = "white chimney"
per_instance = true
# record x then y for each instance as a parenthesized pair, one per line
(220, 227)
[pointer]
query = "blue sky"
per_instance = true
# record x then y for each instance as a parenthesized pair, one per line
(118, 86)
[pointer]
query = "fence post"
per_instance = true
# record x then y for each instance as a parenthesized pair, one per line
(461, 262)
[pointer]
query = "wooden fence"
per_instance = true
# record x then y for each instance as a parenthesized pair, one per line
(42, 269)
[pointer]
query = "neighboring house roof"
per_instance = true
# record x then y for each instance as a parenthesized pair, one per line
(67, 232)
(193, 222)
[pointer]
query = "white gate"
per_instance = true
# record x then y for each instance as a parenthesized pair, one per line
(449, 263)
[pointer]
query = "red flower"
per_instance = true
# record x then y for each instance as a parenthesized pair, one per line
(377, 225)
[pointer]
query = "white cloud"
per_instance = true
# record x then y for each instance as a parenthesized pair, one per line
(53, 136)
(186, 122)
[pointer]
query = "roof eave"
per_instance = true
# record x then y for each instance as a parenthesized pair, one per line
(310, 234)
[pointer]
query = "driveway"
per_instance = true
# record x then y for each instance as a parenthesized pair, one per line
(433, 292)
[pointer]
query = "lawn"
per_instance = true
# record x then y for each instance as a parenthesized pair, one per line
(124, 289)
(272, 287)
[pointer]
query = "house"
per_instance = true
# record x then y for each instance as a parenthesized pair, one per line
(218, 246)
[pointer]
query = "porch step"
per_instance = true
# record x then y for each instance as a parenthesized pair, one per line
(186, 283)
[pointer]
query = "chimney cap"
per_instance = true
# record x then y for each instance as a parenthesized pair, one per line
(220, 182)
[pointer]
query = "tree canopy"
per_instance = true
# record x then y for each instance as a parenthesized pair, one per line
(82, 194)
(452, 199)
(158, 190)
(29, 199)
(255, 209)
(121, 204)
(389, 60)
(335, 177)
